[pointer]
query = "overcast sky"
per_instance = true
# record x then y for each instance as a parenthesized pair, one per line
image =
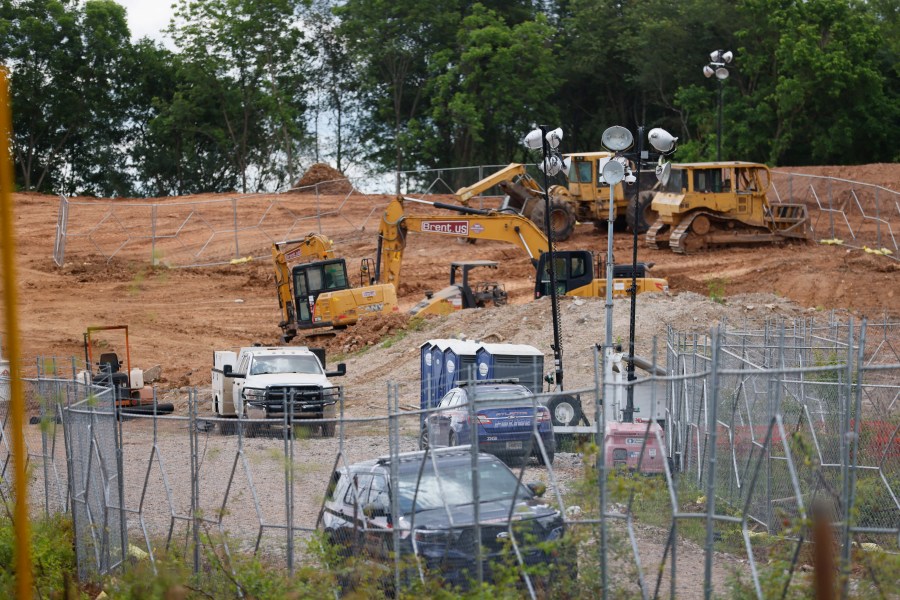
(147, 17)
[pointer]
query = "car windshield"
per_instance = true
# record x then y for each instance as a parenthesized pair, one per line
(452, 485)
(284, 363)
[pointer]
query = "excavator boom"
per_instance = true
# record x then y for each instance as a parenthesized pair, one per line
(473, 224)
(512, 172)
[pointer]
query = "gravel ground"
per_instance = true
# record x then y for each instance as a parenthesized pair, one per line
(242, 481)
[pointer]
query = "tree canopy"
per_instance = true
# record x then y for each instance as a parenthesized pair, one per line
(255, 89)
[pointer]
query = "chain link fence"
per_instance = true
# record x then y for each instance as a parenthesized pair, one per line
(210, 232)
(759, 426)
(852, 213)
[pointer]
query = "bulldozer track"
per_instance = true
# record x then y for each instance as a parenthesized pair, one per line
(653, 238)
(702, 230)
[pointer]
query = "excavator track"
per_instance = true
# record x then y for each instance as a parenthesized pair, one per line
(656, 236)
(702, 230)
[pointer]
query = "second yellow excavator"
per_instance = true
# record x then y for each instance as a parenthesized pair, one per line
(300, 287)
(574, 269)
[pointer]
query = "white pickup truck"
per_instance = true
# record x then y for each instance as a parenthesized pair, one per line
(259, 381)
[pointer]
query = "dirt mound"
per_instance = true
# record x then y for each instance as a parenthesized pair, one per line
(323, 179)
(367, 332)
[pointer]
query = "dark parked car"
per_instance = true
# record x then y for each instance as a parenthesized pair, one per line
(435, 509)
(504, 413)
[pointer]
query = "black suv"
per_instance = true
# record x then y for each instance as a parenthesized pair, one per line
(435, 509)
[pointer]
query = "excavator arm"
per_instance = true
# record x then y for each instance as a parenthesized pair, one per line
(312, 246)
(468, 223)
(514, 173)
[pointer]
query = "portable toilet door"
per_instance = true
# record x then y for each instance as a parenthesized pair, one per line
(484, 363)
(426, 390)
(459, 362)
(437, 371)
(514, 361)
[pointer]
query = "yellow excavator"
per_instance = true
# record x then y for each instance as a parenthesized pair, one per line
(584, 199)
(299, 287)
(574, 269)
(318, 294)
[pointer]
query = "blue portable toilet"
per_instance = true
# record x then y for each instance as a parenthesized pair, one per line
(511, 361)
(437, 370)
(425, 375)
(459, 363)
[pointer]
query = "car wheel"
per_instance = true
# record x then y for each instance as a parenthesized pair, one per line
(452, 439)
(565, 410)
(540, 457)
(423, 439)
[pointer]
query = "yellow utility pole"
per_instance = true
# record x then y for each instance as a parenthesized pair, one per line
(10, 310)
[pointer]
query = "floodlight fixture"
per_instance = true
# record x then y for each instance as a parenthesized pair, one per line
(721, 73)
(613, 172)
(534, 140)
(721, 56)
(708, 71)
(661, 140)
(554, 137)
(663, 172)
(617, 138)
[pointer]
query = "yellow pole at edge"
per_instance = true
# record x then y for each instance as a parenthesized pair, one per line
(17, 399)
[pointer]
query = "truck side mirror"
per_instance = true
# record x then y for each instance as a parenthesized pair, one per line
(228, 371)
(341, 371)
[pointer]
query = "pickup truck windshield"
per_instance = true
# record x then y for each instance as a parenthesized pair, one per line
(266, 365)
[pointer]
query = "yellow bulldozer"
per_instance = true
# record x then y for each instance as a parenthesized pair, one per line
(583, 200)
(703, 205)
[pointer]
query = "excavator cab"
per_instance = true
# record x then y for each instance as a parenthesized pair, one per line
(573, 269)
(310, 280)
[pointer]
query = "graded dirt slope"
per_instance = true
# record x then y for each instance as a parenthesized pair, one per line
(178, 316)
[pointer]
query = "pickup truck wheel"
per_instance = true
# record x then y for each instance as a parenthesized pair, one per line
(540, 457)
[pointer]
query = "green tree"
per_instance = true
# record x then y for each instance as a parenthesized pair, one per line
(496, 83)
(68, 94)
(40, 45)
(247, 58)
(394, 43)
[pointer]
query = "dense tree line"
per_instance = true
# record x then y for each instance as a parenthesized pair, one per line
(256, 89)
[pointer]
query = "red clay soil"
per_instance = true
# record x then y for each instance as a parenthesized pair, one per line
(178, 316)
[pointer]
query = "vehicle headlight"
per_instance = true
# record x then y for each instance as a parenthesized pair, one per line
(254, 395)
(331, 395)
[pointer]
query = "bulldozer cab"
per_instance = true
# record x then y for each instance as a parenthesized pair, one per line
(310, 280)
